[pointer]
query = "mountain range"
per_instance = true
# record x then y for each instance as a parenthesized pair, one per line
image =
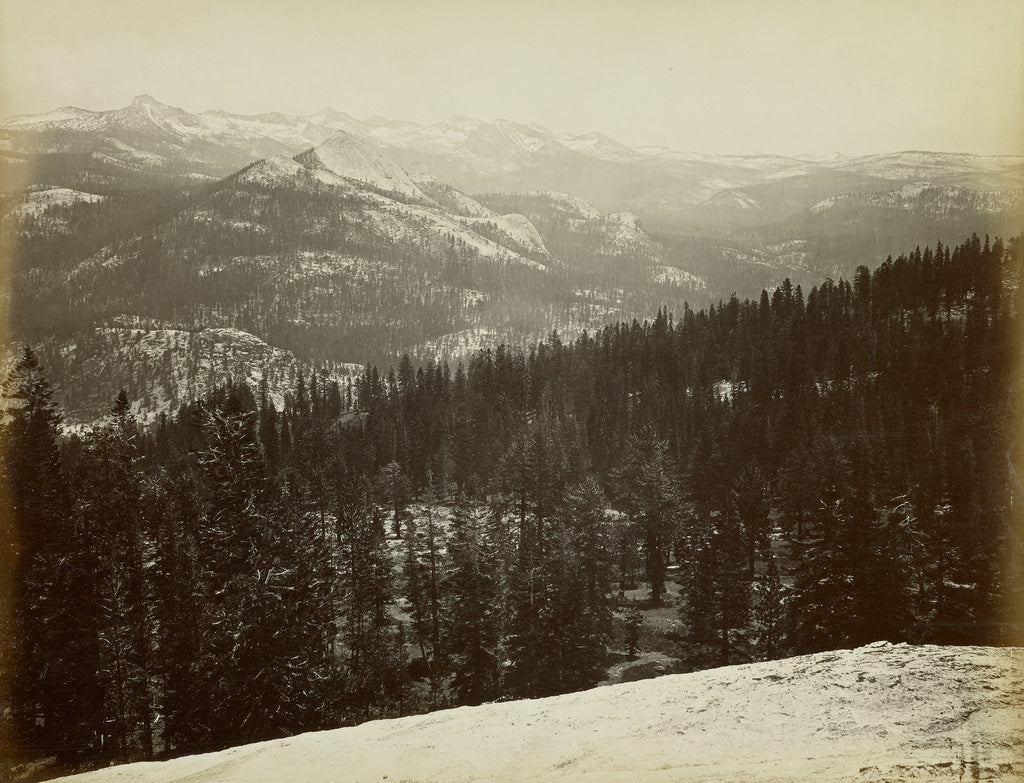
(478, 156)
(327, 242)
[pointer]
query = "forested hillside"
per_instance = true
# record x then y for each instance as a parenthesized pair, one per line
(809, 470)
(337, 241)
(335, 257)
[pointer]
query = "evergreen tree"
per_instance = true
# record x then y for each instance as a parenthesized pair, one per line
(472, 614)
(769, 614)
(183, 613)
(281, 671)
(52, 654)
(850, 588)
(634, 622)
(649, 493)
(561, 616)
(394, 492)
(373, 662)
(109, 491)
(423, 574)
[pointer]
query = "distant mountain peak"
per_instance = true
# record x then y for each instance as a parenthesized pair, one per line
(145, 100)
(348, 156)
(331, 114)
(460, 122)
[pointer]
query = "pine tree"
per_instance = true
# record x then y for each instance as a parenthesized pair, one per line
(109, 491)
(54, 656)
(269, 436)
(649, 493)
(373, 662)
(582, 514)
(244, 593)
(394, 491)
(634, 622)
(281, 669)
(769, 614)
(751, 503)
(423, 575)
(472, 614)
(850, 587)
(220, 558)
(560, 607)
(174, 504)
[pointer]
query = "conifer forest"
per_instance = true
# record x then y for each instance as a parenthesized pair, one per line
(797, 472)
(511, 392)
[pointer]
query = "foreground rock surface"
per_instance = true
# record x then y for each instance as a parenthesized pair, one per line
(878, 713)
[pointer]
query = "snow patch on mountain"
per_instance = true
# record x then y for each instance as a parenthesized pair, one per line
(105, 259)
(136, 155)
(446, 137)
(38, 200)
(324, 263)
(599, 146)
(791, 254)
(911, 191)
(407, 223)
(459, 344)
(570, 205)
(290, 132)
(179, 365)
(731, 197)
(671, 275)
(928, 199)
(451, 199)
(272, 171)
(460, 123)
(530, 138)
(347, 156)
(878, 713)
(66, 116)
(622, 234)
(516, 228)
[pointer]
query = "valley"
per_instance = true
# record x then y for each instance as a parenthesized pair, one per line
(341, 242)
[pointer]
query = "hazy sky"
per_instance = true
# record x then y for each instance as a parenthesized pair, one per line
(756, 76)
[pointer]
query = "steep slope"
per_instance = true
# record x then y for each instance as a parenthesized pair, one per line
(335, 256)
(609, 252)
(451, 199)
(473, 155)
(348, 157)
(346, 240)
(161, 368)
(724, 213)
(877, 713)
(149, 137)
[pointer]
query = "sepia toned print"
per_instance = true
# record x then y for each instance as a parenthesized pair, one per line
(535, 391)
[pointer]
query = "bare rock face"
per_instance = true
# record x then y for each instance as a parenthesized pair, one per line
(878, 713)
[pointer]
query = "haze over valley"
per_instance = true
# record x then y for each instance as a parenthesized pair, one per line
(331, 242)
(520, 391)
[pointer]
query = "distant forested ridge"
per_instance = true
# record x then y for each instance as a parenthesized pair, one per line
(814, 470)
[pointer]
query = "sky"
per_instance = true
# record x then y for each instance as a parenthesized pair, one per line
(730, 76)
